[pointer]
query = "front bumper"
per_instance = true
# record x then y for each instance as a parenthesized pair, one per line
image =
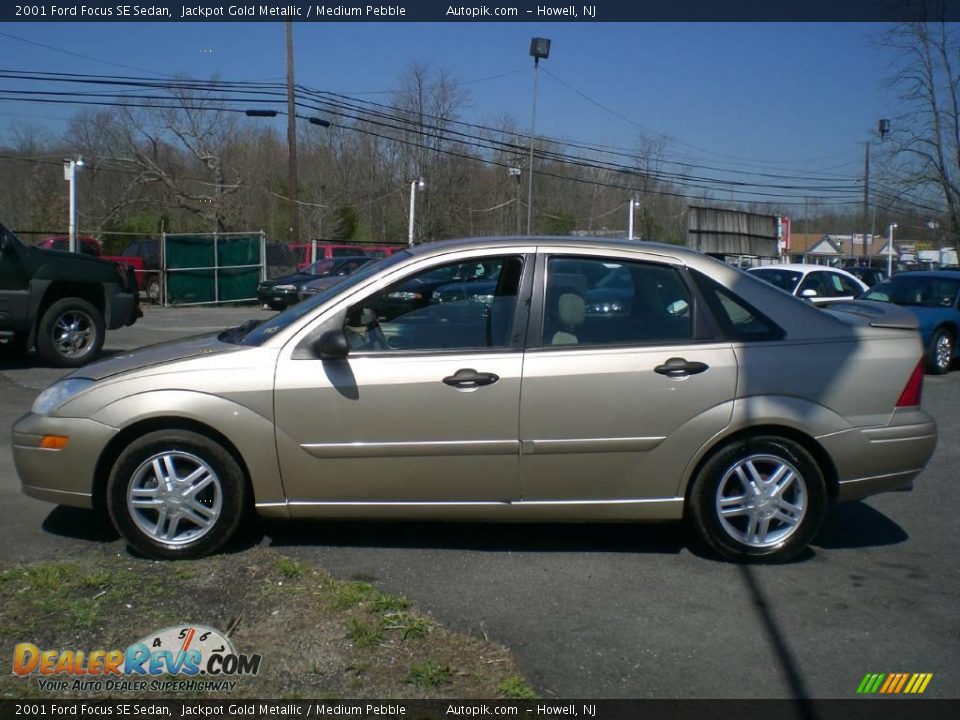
(66, 476)
(269, 296)
(880, 459)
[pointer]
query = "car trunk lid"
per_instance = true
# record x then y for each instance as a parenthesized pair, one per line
(872, 313)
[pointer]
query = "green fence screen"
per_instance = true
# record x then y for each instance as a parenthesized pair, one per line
(212, 268)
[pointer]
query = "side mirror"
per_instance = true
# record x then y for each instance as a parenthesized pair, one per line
(809, 293)
(332, 345)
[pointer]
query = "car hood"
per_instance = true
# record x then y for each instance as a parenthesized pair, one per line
(195, 346)
(294, 279)
(324, 282)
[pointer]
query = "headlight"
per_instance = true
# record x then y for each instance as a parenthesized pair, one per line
(285, 288)
(57, 394)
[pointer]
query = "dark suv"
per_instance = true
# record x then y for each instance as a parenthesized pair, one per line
(62, 303)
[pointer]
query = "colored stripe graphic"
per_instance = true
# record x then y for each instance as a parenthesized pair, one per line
(871, 683)
(894, 683)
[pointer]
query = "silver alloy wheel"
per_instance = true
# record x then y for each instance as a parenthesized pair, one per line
(761, 501)
(73, 333)
(174, 498)
(943, 352)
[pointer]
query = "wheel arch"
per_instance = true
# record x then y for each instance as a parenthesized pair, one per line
(806, 441)
(108, 457)
(60, 289)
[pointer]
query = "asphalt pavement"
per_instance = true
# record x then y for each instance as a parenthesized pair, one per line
(618, 611)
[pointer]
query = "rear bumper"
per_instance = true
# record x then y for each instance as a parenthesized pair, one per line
(123, 308)
(879, 459)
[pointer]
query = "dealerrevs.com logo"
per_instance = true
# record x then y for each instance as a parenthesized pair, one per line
(183, 651)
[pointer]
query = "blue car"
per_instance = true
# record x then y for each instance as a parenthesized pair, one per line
(933, 297)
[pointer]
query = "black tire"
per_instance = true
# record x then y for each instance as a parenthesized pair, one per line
(224, 496)
(805, 494)
(70, 333)
(940, 352)
(154, 290)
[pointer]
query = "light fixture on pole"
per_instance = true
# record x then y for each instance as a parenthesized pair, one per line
(539, 48)
(70, 175)
(890, 228)
(414, 186)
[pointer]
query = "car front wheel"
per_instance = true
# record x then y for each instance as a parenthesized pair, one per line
(71, 333)
(176, 494)
(761, 498)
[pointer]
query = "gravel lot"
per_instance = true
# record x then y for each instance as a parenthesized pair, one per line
(595, 611)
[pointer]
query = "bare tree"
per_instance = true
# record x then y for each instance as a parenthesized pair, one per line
(925, 79)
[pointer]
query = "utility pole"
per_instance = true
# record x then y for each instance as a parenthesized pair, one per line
(294, 213)
(866, 198)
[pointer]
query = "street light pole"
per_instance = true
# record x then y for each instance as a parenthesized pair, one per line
(633, 203)
(539, 48)
(514, 172)
(70, 175)
(414, 186)
(890, 229)
(294, 190)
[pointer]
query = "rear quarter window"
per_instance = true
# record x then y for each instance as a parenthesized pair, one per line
(737, 319)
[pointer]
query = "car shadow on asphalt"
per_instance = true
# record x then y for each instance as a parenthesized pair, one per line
(80, 524)
(658, 538)
(857, 525)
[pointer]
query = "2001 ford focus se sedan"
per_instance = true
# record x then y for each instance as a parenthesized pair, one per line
(586, 380)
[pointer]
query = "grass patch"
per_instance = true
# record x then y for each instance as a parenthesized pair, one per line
(364, 634)
(290, 569)
(384, 603)
(429, 675)
(318, 636)
(516, 688)
(350, 594)
(409, 625)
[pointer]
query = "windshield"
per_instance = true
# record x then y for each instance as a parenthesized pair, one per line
(918, 291)
(264, 331)
(320, 267)
(783, 279)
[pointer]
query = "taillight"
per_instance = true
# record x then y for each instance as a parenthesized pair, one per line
(122, 273)
(910, 397)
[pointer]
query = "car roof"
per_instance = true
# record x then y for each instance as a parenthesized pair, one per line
(930, 273)
(800, 267)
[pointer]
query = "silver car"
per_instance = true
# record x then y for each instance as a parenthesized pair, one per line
(593, 380)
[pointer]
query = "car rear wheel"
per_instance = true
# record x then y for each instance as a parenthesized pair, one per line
(176, 494)
(940, 352)
(760, 498)
(71, 333)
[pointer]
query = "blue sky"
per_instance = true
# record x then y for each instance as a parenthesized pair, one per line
(803, 96)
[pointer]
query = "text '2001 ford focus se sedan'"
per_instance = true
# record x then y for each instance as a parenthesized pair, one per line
(571, 380)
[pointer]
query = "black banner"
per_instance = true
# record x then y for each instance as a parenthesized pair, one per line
(863, 709)
(496, 11)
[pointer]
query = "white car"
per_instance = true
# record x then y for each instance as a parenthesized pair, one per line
(817, 283)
